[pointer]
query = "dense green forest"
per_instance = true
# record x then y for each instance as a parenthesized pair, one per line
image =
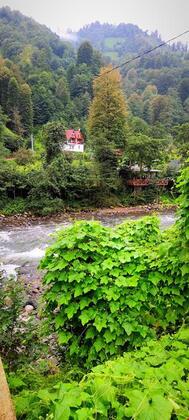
(157, 85)
(48, 85)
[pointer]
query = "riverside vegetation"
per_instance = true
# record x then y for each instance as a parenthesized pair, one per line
(48, 85)
(115, 339)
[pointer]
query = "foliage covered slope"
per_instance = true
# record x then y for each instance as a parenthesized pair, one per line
(22, 37)
(60, 83)
(150, 383)
(121, 39)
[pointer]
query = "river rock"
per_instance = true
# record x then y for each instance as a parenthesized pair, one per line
(29, 308)
(35, 291)
(8, 301)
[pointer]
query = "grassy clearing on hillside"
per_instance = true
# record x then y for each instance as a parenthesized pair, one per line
(112, 42)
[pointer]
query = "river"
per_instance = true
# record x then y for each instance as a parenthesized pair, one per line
(23, 247)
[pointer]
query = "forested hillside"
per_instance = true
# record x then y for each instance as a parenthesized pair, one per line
(60, 87)
(48, 85)
(157, 85)
(121, 39)
(116, 41)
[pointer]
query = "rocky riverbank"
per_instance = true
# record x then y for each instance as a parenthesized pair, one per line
(23, 238)
(28, 219)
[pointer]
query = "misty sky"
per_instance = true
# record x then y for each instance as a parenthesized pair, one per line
(169, 17)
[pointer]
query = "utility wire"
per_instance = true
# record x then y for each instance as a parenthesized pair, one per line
(143, 54)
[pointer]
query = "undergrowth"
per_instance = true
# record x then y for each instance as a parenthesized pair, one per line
(150, 383)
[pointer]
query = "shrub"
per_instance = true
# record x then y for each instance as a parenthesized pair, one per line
(10, 207)
(11, 141)
(23, 156)
(26, 382)
(183, 222)
(143, 384)
(15, 334)
(109, 289)
(45, 205)
(150, 383)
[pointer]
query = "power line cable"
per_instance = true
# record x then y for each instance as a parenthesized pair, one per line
(143, 54)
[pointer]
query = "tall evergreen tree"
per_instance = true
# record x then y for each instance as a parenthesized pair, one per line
(162, 110)
(62, 90)
(26, 109)
(184, 89)
(13, 103)
(85, 53)
(2, 122)
(108, 111)
(107, 125)
(42, 104)
(136, 105)
(5, 75)
(148, 111)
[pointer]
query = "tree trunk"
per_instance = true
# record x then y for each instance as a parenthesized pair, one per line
(6, 407)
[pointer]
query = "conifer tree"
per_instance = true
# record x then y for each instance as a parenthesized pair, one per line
(26, 109)
(148, 111)
(108, 111)
(85, 53)
(107, 125)
(13, 102)
(5, 75)
(2, 122)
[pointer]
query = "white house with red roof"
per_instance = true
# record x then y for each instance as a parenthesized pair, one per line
(74, 141)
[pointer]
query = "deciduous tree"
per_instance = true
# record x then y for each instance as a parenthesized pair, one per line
(144, 150)
(54, 136)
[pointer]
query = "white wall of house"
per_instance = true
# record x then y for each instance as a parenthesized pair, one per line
(73, 147)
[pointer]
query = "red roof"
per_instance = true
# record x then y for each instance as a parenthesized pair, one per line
(75, 135)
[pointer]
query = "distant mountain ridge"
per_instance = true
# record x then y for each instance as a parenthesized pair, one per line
(116, 41)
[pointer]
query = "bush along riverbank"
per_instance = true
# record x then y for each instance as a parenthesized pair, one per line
(115, 305)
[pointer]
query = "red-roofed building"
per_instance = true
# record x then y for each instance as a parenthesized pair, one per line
(74, 141)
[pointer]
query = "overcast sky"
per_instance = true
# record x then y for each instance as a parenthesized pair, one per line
(169, 17)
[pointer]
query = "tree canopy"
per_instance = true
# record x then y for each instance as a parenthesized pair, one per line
(108, 111)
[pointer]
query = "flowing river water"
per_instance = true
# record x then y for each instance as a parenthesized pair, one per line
(21, 248)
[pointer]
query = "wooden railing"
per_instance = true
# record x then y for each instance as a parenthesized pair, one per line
(145, 182)
(6, 407)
